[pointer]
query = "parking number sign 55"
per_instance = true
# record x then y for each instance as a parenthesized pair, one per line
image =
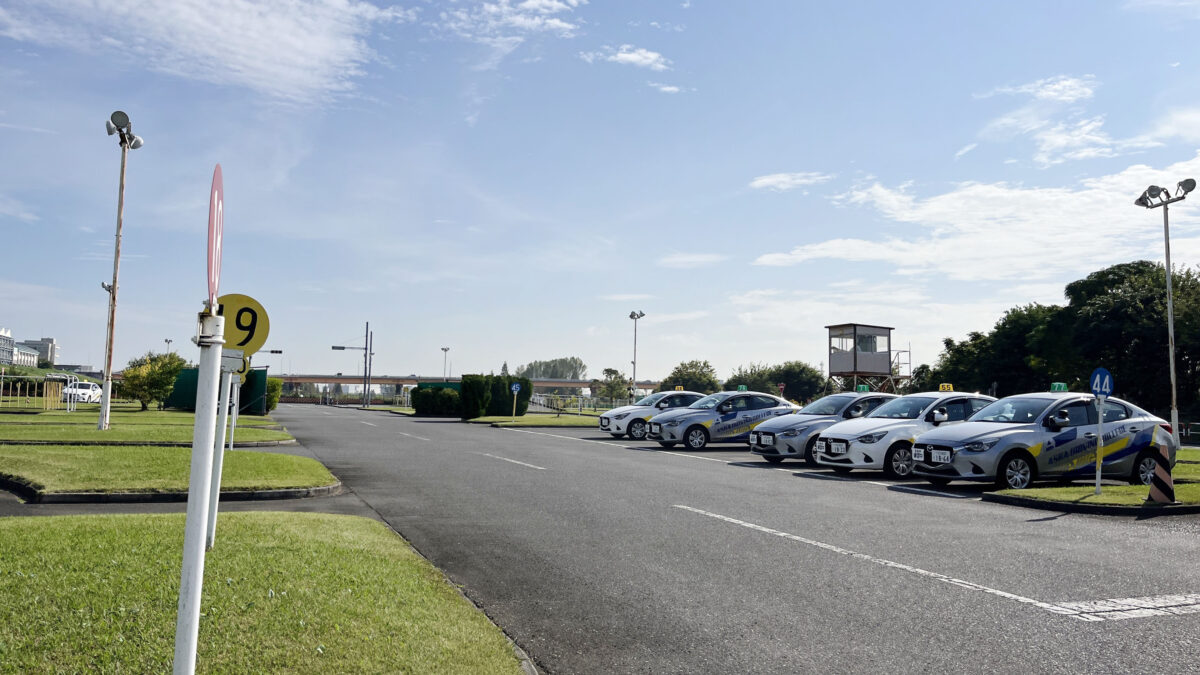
(246, 323)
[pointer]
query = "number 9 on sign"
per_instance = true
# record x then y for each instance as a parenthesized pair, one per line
(246, 323)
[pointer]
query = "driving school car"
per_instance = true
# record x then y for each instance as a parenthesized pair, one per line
(631, 419)
(1022, 438)
(883, 439)
(725, 417)
(793, 436)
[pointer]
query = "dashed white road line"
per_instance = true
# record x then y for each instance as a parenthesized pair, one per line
(532, 466)
(419, 438)
(367, 423)
(1049, 607)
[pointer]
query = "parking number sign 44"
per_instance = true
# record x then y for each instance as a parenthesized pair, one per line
(246, 322)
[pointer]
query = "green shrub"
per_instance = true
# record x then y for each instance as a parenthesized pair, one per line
(274, 389)
(436, 402)
(476, 394)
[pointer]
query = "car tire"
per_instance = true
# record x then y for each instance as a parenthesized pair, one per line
(898, 462)
(810, 452)
(1143, 468)
(1015, 472)
(939, 482)
(667, 444)
(696, 438)
(637, 430)
(774, 459)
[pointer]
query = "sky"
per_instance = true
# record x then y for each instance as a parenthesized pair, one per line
(511, 178)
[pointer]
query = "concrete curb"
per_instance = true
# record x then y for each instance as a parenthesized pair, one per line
(155, 444)
(34, 496)
(1093, 509)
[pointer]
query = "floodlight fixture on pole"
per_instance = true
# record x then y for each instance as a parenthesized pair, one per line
(445, 353)
(118, 124)
(168, 341)
(635, 315)
(1152, 198)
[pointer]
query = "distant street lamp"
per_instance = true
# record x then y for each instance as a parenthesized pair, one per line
(445, 352)
(635, 315)
(368, 341)
(118, 123)
(168, 341)
(1164, 199)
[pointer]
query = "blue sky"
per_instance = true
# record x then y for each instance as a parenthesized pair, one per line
(511, 179)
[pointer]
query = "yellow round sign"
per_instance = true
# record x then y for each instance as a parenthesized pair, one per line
(246, 323)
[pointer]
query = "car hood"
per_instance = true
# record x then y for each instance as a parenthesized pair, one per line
(966, 432)
(680, 413)
(642, 410)
(867, 425)
(786, 422)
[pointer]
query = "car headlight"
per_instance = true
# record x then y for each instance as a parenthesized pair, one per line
(791, 433)
(621, 416)
(982, 445)
(672, 424)
(872, 438)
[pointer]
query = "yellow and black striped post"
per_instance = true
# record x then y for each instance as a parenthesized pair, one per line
(1162, 487)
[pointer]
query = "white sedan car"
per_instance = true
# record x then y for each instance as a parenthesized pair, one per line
(884, 439)
(631, 419)
(82, 392)
(793, 436)
(726, 417)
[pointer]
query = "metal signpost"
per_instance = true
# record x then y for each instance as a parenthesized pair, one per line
(210, 338)
(516, 388)
(1102, 388)
(231, 362)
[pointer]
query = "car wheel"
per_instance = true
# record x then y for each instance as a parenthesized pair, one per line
(696, 438)
(810, 453)
(1143, 468)
(667, 444)
(1015, 473)
(841, 470)
(898, 463)
(637, 430)
(774, 459)
(940, 482)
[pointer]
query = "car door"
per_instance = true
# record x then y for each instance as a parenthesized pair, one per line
(1120, 434)
(1072, 448)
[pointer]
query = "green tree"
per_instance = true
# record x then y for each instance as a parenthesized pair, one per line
(755, 377)
(614, 385)
(151, 377)
(274, 389)
(694, 376)
(801, 382)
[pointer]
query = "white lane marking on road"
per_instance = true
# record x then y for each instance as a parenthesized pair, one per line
(1049, 607)
(367, 423)
(936, 493)
(419, 438)
(532, 466)
(1137, 608)
(680, 454)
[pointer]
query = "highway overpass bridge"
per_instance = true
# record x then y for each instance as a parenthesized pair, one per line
(400, 380)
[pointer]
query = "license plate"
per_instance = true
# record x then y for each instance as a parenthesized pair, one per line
(656, 428)
(753, 438)
(940, 456)
(820, 446)
(766, 439)
(603, 422)
(918, 454)
(837, 448)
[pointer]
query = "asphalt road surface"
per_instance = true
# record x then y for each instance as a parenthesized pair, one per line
(598, 556)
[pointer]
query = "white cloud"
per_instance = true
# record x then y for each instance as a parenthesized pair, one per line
(502, 26)
(11, 208)
(965, 149)
(1181, 123)
(630, 56)
(690, 260)
(625, 297)
(1062, 89)
(782, 182)
(998, 231)
(295, 50)
(665, 88)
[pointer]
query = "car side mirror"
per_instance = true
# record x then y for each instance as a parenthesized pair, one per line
(856, 411)
(662, 404)
(938, 416)
(1058, 420)
(724, 407)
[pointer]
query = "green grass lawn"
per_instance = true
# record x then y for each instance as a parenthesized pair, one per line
(539, 420)
(1188, 455)
(125, 432)
(89, 413)
(150, 469)
(283, 592)
(395, 408)
(1122, 495)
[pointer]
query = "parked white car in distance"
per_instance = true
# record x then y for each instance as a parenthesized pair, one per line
(82, 392)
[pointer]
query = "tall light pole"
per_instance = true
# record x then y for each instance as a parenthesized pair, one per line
(168, 341)
(367, 340)
(1164, 199)
(635, 315)
(118, 123)
(445, 352)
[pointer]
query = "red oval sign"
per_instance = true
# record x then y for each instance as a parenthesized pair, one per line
(216, 227)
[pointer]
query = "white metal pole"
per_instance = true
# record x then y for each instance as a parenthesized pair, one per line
(634, 392)
(106, 391)
(191, 579)
(237, 407)
(1099, 438)
(1170, 327)
(214, 485)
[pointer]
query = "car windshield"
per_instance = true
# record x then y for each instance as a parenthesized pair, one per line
(830, 405)
(1012, 410)
(652, 399)
(903, 408)
(711, 401)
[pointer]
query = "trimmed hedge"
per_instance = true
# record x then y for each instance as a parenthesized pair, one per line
(501, 388)
(475, 397)
(436, 402)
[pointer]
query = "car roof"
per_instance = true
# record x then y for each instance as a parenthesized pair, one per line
(1049, 396)
(950, 393)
